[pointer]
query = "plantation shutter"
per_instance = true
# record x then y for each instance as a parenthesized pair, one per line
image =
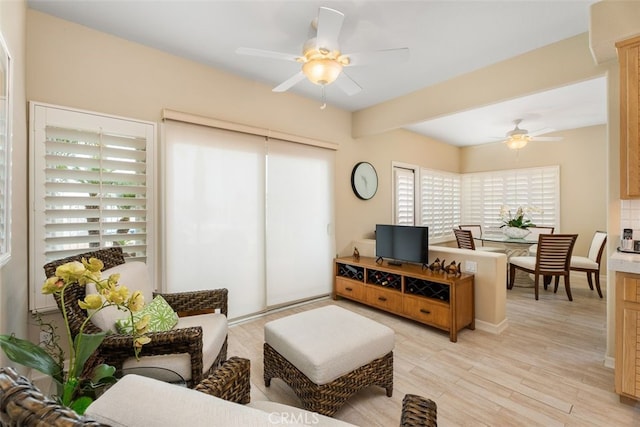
(404, 196)
(440, 203)
(91, 186)
(485, 193)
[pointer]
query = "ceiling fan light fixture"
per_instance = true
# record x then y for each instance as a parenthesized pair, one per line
(322, 71)
(517, 141)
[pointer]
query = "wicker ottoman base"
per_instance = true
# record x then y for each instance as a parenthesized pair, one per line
(326, 399)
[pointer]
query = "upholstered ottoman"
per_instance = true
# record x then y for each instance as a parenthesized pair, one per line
(328, 354)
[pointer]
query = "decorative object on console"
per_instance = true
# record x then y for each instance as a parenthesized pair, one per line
(356, 253)
(453, 268)
(364, 180)
(74, 391)
(437, 265)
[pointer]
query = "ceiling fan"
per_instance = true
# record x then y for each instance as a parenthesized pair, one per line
(518, 137)
(321, 59)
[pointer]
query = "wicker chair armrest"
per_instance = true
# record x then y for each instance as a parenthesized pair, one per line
(158, 339)
(230, 381)
(117, 348)
(197, 302)
(418, 411)
(22, 404)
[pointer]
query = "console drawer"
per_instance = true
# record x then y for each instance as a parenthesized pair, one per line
(384, 298)
(427, 311)
(349, 288)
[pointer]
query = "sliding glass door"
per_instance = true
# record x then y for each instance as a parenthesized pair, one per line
(248, 214)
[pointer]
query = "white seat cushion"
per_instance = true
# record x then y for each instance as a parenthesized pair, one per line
(524, 261)
(583, 262)
(214, 332)
(136, 401)
(328, 342)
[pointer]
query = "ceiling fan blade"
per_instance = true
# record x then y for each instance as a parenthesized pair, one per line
(290, 82)
(266, 54)
(395, 56)
(347, 84)
(328, 28)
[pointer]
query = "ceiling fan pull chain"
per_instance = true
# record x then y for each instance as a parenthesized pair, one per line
(324, 99)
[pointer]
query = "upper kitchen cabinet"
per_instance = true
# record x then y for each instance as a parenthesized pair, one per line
(629, 57)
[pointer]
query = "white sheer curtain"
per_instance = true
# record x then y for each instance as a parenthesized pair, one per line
(214, 222)
(258, 224)
(300, 240)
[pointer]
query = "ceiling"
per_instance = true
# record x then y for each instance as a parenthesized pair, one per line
(445, 38)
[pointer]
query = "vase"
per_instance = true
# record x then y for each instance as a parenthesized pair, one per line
(515, 232)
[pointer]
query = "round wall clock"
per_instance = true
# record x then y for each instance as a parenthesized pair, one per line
(364, 180)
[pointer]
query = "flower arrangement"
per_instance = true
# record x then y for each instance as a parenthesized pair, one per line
(520, 220)
(72, 390)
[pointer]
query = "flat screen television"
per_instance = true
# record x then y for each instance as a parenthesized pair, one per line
(402, 243)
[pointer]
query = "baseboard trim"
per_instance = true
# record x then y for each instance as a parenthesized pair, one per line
(492, 328)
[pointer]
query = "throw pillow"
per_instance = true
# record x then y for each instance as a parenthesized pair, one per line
(163, 318)
(135, 276)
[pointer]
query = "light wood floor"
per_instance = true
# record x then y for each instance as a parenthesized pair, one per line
(546, 369)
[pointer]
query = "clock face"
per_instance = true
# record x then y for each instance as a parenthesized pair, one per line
(364, 180)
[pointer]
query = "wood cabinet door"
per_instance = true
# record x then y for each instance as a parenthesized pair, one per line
(629, 58)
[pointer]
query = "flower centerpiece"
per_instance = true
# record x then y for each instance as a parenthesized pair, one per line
(73, 390)
(516, 226)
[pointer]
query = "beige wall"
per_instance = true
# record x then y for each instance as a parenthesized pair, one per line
(13, 276)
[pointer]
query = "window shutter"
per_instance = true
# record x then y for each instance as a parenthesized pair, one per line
(440, 203)
(404, 196)
(485, 193)
(92, 186)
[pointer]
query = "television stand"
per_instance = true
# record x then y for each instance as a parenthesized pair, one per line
(437, 299)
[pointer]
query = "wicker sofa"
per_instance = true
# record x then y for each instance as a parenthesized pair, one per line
(222, 399)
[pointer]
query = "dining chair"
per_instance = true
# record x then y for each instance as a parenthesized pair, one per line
(552, 260)
(476, 230)
(465, 240)
(535, 232)
(591, 263)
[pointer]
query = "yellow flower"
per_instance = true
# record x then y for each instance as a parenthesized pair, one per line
(71, 271)
(116, 294)
(136, 302)
(91, 302)
(113, 279)
(142, 325)
(140, 341)
(52, 285)
(94, 264)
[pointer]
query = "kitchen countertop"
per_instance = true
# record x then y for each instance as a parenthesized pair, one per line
(625, 262)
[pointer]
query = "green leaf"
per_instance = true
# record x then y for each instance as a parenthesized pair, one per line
(30, 355)
(103, 374)
(88, 344)
(81, 404)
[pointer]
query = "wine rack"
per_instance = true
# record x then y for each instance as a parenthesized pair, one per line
(351, 272)
(444, 301)
(384, 279)
(427, 288)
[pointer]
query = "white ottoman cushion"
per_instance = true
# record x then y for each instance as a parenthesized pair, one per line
(328, 342)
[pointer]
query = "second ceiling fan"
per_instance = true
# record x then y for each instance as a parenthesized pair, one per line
(322, 60)
(518, 137)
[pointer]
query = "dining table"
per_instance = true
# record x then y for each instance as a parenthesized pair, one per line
(512, 247)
